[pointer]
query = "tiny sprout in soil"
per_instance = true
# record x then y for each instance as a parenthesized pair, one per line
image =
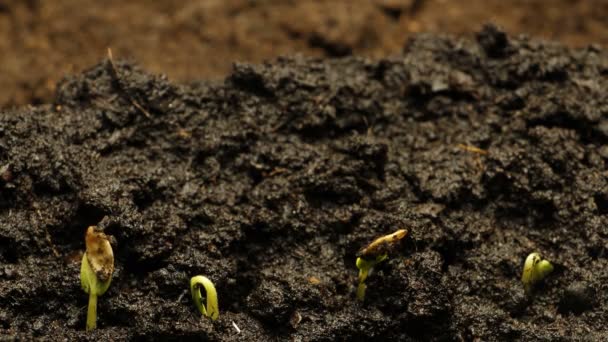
(96, 271)
(535, 270)
(211, 310)
(373, 254)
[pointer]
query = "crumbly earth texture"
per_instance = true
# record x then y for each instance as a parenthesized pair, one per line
(41, 41)
(270, 182)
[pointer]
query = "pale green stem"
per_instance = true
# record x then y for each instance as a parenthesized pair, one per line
(92, 312)
(361, 287)
(361, 291)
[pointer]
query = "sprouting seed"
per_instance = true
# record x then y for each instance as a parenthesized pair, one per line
(96, 271)
(535, 270)
(381, 245)
(211, 310)
(373, 254)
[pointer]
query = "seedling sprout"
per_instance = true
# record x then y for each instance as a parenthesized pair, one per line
(535, 270)
(212, 309)
(373, 254)
(96, 271)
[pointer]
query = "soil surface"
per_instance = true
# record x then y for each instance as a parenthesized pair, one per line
(41, 41)
(269, 183)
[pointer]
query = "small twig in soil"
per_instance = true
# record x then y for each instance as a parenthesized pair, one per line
(47, 236)
(314, 280)
(277, 171)
(473, 149)
(478, 153)
(50, 242)
(238, 330)
(179, 299)
(116, 75)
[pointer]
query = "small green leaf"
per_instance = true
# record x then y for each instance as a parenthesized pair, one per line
(88, 279)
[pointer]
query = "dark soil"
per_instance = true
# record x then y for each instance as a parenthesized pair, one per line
(41, 41)
(269, 183)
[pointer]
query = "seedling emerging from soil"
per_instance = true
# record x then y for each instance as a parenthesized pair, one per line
(211, 310)
(535, 270)
(373, 254)
(96, 271)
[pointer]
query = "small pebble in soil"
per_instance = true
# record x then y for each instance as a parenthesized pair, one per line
(602, 127)
(493, 40)
(295, 319)
(604, 151)
(38, 325)
(9, 273)
(4, 320)
(577, 298)
(515, 301)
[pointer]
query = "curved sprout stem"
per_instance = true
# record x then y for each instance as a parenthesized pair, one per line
(211, 310)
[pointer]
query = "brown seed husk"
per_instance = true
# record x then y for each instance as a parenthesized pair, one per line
(99, 254)
(382, 245)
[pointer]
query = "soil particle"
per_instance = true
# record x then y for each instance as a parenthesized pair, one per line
(577, 298)
(281, 173)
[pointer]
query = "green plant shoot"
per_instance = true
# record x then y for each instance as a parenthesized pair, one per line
(373, 254)
(211, 310)
(365, 268)
(96, 271)
(535, 270)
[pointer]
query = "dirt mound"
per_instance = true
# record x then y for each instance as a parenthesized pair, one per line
(269, 183)
(41, 41)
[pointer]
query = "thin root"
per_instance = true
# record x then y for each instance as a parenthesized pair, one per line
(116, 75)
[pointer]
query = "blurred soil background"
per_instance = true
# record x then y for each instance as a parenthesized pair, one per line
(42, 41)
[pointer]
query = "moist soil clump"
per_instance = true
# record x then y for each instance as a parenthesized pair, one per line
(270, 182)
(41, 41)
